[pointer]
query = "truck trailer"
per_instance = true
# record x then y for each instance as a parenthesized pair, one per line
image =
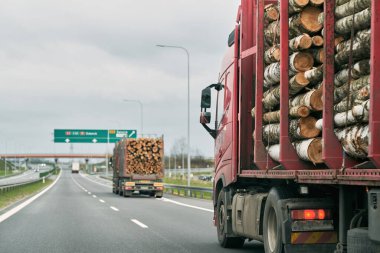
(138, 167)
(297, 132)
(75, 167)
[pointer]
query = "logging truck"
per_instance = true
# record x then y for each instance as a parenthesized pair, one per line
(138, 167)
(296, 129)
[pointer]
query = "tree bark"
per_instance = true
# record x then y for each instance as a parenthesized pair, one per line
(361, 37)
(271, 134)
(271, 74)
(297, 5)
(300, 111)
(271, 98)
(318, 55)
(340, 2)
(272, 33)
(358, 114)
(271, 13)
(319, 124)
(297, 83)
(300, 42)
(303, 128)
(359, 69)
(305, 22)
(362, 21)
(338, 39)
(309, 150)
(298, 62)
(351, 7)
(314, 75)
(356, 98)
(342, 92)
(274, 152)
(311, 99)
(317, 41)
(354, 140)
(272, 55)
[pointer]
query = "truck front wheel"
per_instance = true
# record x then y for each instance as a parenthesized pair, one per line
(221, 225)
(273, 221)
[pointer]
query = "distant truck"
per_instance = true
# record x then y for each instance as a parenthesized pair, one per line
(75, 167)
(138, 167)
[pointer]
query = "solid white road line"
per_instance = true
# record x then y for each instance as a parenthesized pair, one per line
(101, 200)
(186, 205)
(27, 202)
(114, 208)
(139, 223)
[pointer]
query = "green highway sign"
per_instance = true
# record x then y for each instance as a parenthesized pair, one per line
(91, 135)
(117, 135)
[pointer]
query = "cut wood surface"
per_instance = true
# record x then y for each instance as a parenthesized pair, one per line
(317, 40)
(359, 69)
(316, 2)
(301, 42)
(305, 22)
(354, 140)
(362, 21)
(301, 61)
(318, 55)
(309, 150)
(297, 83)
(271, 12)
(351, 7)
(303, 128)
(358, 114)
(294, 112)
(297, 5)
(311, 99)
(314, 75)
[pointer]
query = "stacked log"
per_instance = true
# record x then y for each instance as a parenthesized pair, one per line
(142, 156)
(352, 82)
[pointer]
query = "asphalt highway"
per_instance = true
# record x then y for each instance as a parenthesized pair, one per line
(81, 214)
(24, 177)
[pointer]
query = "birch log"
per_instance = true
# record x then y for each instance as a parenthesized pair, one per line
(351, 7)
(297, 83)
(340, 2)
(354, 140)
(294, 113)
(301, 42)
(303, 128)
(297, 5)
(253, 112)
(309, 150)
(359, 69)
(305, 22)
(356, 98)
(272, 32)
(358, 114)
(274, 152)
(360, 51)
(317, 40)
(271, 98)
(300, 62)
(341, 92)
(311, 99)
(318, 55)
(362, 21)
(271, 13)
(316, 2)
(361, 37)
(271, 134)
(314, 75)
(272, 55)
(319, 124)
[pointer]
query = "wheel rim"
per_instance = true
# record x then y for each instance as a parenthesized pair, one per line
(272, 229)
(221, 219)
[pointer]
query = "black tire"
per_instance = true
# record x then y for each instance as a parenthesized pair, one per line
(121, 193)
(221, 223)
(152, 194)
(272, 222)
(359, 242)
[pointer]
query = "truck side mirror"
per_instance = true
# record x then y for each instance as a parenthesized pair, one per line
(206, 98)
(205, 118)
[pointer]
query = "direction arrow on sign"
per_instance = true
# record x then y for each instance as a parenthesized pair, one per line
(91, 136)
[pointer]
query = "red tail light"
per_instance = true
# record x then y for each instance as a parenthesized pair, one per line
(311, 214)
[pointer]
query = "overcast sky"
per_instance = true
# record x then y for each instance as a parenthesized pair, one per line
(69, 64)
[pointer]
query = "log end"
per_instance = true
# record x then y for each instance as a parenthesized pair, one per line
(303, 61)
(316, 101)
(309, 19)
(308, 128)
(315, 151)
(305, 42)
(272, 13)
(303, 111)
(317, 41)
(301, 79)
(301, 3)
(317, 2)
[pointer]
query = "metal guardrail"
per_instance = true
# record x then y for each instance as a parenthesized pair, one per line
(194, 192)
(10, 187)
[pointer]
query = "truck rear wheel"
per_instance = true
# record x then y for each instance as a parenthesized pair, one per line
(221, 224)
(273, 221)
(359, 242)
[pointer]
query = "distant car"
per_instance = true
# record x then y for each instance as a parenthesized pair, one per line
(36, 170)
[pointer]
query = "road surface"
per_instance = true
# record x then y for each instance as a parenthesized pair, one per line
(24, 177)
(80, 214)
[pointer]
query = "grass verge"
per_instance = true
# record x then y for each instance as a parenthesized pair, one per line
(195, 183)
(7, 198)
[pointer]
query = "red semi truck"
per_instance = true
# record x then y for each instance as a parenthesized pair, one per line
(288, 202)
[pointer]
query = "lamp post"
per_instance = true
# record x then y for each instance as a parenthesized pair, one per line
(188, 108)
(141, 111)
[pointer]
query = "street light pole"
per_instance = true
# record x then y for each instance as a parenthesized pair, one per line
(188, 109)
(141, 112)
